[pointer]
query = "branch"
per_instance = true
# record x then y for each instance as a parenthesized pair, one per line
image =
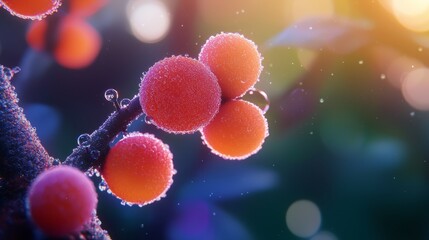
(93, 150)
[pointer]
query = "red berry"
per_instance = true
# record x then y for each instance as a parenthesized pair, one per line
(78, 43)
(85, 8)
(36, 35)
(234, 60)
(31, 9)
(237, 131)
(61, 200)
(139, 169)
(180, 94)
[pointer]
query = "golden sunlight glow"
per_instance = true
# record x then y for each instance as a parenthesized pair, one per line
(415, 89)
(412, 14)
(308, 8)
(149, 20)
(302, 9)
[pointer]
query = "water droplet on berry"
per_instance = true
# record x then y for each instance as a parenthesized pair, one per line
(83, 140)
(125, 102)
(259, 98)
(111, 95)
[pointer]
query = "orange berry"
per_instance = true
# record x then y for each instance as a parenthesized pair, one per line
(61, 200)
(36, 35)
(78, 43)
(237, 131)
(180, 94)
(32, 10)
(139, 169)
(85, 8)
(234, 60)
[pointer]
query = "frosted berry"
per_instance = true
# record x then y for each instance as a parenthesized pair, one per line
(237, 131)
(31, 9)
(139, 169)
(180, 94)
(61, 200)
(234, 60)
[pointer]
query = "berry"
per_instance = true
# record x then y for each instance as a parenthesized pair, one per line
(36, 35)
(180, 94)
(32, 10)
(237, 131)
(78, 43)
(139, 169)
(234, 60)
(85, 8)
(61, 200)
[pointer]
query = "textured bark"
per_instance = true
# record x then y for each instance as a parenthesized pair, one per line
(22, 159)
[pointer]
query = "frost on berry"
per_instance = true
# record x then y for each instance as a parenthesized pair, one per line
(237, 131)
(31, 10)
(61, 200)
(234, 60)
(180, 94)
(139, 169)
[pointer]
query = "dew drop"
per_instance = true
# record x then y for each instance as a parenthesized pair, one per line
(123, 203)
(148, 120)
(83, 140)
(98, 222)
(259, 98)
(7, 73)
(141, 225)
(125, 102)
(383, 76)
(56, 162)
(102, 186)
(90, 172)
(412, 114)
(95, 154)
(321, 100)
(361, 62)
(111, 95)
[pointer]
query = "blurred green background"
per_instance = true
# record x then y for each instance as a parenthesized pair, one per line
(348, 83)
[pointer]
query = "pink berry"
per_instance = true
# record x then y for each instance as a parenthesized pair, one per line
(61, 200)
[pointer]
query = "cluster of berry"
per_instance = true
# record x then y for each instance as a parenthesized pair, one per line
(179, 95)
(70, 39)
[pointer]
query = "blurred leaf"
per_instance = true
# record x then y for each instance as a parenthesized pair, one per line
(335, 34)
(223, 181)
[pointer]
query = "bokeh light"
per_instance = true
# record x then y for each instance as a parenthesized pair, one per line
(149, 20)
(412, 14)
(393, 65)
(415, 88)
(303, 218)
(324, 235)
